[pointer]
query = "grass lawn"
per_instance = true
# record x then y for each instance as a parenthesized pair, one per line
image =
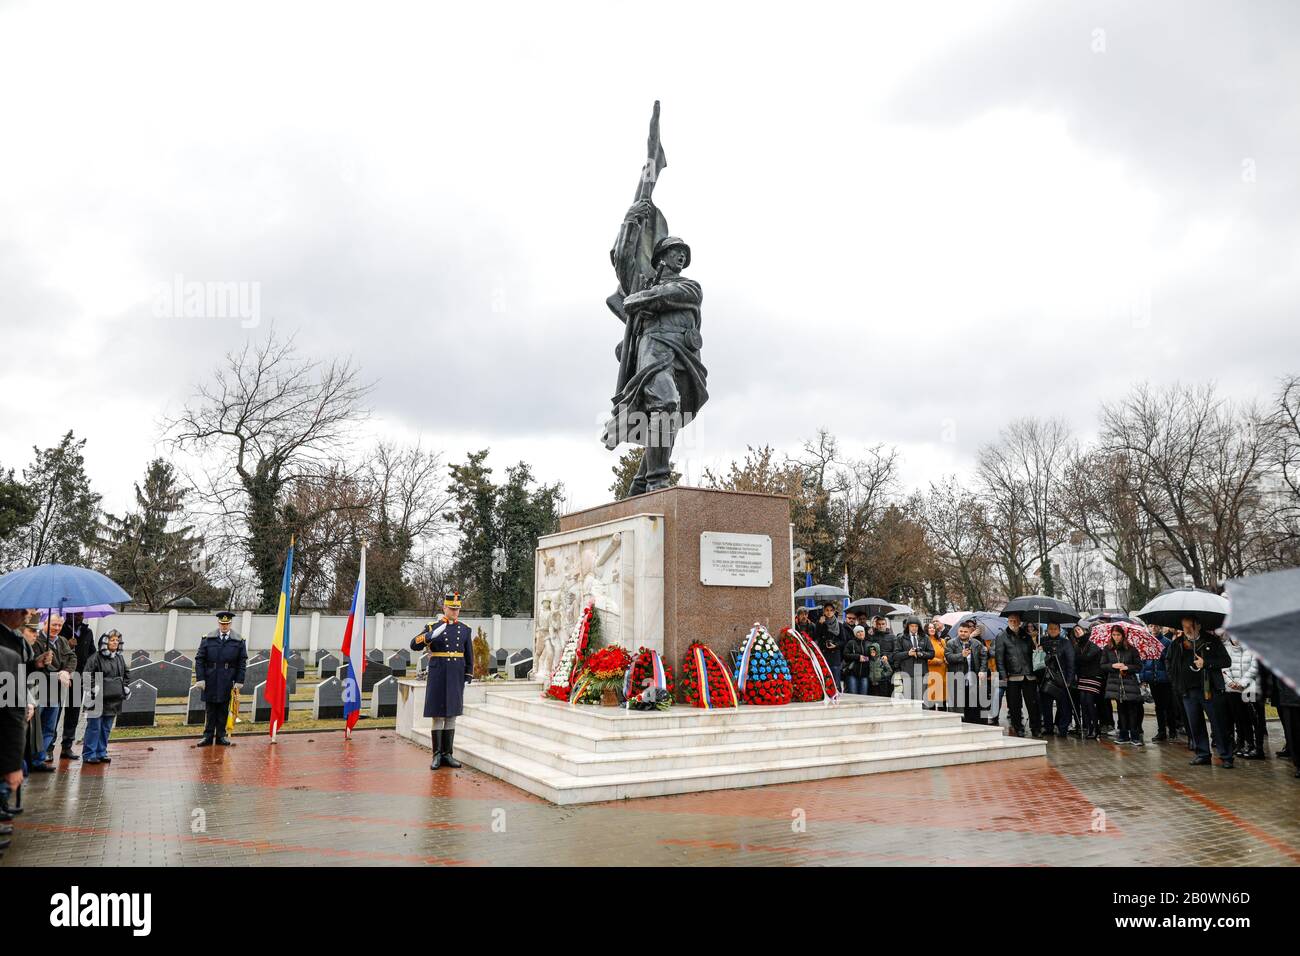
(173, 725)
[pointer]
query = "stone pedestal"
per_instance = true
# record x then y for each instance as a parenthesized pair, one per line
(640, 561)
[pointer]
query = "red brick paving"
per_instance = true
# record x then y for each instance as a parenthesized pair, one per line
(320, 800)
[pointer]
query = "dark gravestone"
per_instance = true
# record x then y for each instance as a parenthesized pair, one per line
(167, 679)
(194, 706)
(171, 655)
(253, 658)
(327, 701)
(320, 653)
(375, 655)
(373, 674)
(139, 710)
(520, 664)
(297, 665)
(383, 698)
(262, 709)
(140, 658)
(329, 666)
(254, 674)
(498, 660)
(399, 661)
(181, 660)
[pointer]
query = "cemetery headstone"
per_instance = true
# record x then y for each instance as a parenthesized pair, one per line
(195, 709)
(319, 654)
(297, 665)
(374, 673)
(327, 700)
(262, 708)
(399, 661)
(520, 664)
(383, 698)
(329, 666)
(141, 708)
(375, 654)
(167, 678)
(140, 658)
(171, 655)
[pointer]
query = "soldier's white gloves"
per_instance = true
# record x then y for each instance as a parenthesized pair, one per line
(199, 684)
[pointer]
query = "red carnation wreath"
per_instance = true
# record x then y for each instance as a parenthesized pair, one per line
(798, 652)
(721, 692)
(571, 660)
(640, 682)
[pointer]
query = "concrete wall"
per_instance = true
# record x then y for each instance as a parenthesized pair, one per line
(181, 631)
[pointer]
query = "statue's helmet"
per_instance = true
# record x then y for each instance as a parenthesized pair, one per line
(666, 243)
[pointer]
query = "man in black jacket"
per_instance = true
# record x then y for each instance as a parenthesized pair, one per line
(1057, 682)
(13, 711)
(1014, 652)
(78, 634)
(219, 669)
(1195, 664)
(832, 635)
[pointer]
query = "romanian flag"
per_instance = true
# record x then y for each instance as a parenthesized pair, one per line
(277, 675)
(354, 648)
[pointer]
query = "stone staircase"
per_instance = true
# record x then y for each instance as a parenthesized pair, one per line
(586, 754)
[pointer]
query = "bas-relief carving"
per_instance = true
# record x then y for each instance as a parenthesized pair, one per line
(569, 577)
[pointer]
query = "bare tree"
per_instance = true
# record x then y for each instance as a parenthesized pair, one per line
(953, 520)
(268, 419)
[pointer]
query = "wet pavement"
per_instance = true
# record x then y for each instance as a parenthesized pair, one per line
(316, 799)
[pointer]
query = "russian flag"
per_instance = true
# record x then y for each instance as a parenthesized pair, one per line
(354, 649)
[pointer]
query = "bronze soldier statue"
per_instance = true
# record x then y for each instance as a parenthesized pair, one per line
(661, 379)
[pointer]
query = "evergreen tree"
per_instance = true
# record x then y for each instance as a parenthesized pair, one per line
(150, 551)
(63, 525)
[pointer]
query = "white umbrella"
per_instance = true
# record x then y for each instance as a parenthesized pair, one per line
(1168, 608)
(901, 609)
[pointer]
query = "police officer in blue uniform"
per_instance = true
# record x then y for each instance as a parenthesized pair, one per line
(451, 666)
(219, 669)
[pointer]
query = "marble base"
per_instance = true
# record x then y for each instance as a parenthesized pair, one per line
(587, 754)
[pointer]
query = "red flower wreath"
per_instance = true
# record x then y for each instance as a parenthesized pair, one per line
(807, 686)
(721, 691)
(643, 673)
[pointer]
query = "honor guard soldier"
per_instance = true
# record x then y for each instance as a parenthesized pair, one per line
(219, 669)
(451, 666)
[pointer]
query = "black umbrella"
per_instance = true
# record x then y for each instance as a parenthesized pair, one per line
(1265, 616)
(1041, 609)
(871, 606)
(1168, 608)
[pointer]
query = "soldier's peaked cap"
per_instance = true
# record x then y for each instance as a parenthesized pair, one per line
(666, 243)
(452, 599)
(225, 616)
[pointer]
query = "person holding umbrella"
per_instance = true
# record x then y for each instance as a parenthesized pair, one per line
(1014, 653)
(82, 641)
(1122, 665)
(1087, 671)
(1058, 681)
(1156, 676)
(1195, 664)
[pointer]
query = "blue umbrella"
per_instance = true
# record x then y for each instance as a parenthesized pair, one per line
(58, 586)
(994, 624)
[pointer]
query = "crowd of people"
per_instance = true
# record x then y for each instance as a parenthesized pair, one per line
(55, 670)
(1203, 687)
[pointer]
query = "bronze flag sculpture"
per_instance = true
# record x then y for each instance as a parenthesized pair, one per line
(661, 379)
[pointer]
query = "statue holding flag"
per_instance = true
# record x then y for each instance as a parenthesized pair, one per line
(661, 379)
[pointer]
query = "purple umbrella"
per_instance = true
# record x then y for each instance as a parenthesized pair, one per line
(88, 612)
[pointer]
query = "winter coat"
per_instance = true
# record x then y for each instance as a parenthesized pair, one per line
(13, 714)
(958, 663)
(451, 666)
(1087, 660)
(85, 646)
(1181, 665)
(110, 665)
(65, 658)
(220, 665)
(1014, 654)
(937, 670)
(1059, 673)
(1155, 671)
(832, 643)
(1243, 671)
(1125, 685)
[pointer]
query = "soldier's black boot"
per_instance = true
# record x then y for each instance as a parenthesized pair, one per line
(447, 737)
(437, 750)
(205, 741)
(224, 741)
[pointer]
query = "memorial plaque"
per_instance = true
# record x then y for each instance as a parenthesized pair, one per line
(735, 560)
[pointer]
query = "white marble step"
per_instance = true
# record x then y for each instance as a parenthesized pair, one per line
(561, 788)
(610, 718)
(824, 722)
(584, 763)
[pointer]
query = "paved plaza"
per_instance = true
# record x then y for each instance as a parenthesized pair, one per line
(316, 799)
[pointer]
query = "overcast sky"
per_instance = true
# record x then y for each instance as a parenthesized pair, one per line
(886, 206)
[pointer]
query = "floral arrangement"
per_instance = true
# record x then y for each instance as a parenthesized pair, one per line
(762, 674)
(648, 684)
(705, 681)
(811, 675)
(482, 655)
(604, 670)
(575, 652)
